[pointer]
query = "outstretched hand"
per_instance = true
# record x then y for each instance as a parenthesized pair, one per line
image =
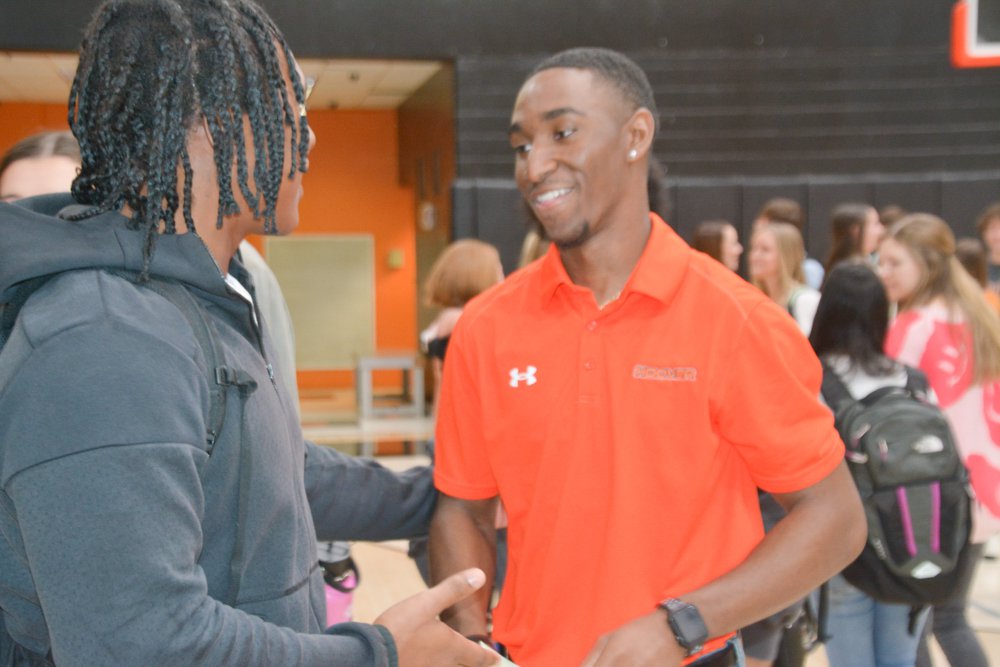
(424, 641)
(644, 642)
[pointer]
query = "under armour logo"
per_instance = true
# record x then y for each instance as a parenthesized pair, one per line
(528, 377)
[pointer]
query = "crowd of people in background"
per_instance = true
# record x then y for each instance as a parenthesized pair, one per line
(898, 289)
(864, 300)
(236, 520)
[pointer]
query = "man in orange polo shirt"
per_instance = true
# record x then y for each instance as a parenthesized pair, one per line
(625, 397)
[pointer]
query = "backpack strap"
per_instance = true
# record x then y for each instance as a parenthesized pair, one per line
(835, 393)
(913, 618)
(916, 383)
(10, 309)
(221, 377)
(916, 386)
(792, 298)
(823, 614)
(833, 389)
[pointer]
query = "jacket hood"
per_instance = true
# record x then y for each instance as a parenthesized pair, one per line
(35, 241)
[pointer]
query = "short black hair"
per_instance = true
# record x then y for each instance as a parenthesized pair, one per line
(613, 67)
(852, 318)
(149, 70)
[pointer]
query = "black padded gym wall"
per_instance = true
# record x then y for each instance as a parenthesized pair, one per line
(816, 100)
(448, 28)
(858, 103)
(774, 112)
(780, 88)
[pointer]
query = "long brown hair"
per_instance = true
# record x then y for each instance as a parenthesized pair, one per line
(932, 244)
(972, 257)
(707, 238)
(847, 227)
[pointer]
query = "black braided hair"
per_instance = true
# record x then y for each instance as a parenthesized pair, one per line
(614, 68)
(149, 70)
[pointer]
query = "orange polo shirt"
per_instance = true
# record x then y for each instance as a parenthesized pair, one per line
(627, 444)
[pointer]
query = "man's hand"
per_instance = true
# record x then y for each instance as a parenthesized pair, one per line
(644, 642)
(424, 641)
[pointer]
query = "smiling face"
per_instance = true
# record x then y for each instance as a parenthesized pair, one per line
(900, 271)
(765, 262)
(571, 138)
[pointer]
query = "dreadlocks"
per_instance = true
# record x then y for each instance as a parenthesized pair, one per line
(149, 70)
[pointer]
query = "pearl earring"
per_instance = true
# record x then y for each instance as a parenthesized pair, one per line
(633, 154)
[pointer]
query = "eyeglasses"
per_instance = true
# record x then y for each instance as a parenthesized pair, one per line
(308, 83)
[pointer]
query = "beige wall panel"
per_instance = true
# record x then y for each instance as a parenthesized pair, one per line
(329, 284)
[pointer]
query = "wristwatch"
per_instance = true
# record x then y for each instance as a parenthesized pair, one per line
(687, 625)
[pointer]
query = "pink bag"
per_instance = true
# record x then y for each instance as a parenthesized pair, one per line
(341, 578)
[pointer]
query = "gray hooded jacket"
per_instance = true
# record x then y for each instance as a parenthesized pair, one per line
(122, 541)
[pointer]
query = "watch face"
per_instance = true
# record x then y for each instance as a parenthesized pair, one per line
(687, 615)
(687, 624)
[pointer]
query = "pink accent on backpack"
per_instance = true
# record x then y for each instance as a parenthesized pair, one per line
(340, 605)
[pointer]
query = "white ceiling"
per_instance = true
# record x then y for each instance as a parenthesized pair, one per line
(341, 84)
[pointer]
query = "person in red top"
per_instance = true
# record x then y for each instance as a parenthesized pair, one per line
(625, 397)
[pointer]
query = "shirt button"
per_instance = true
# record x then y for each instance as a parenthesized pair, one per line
(591, 325)
(588, 365)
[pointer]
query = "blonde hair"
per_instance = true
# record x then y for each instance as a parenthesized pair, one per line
(462, 271)
(932, 244)
(534, 247)
(791, 254)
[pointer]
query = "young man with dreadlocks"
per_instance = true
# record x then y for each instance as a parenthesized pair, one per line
(130, 537)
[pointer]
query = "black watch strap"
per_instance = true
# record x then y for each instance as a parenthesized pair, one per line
(487, 641)
(687, 625)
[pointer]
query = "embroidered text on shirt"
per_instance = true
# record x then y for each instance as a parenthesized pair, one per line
(680, 374)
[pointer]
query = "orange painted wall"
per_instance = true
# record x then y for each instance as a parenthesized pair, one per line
(352, 187)
(19, 119)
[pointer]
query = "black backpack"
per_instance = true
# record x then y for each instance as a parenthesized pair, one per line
(914, 488)
(222, 378)
(173, 291)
